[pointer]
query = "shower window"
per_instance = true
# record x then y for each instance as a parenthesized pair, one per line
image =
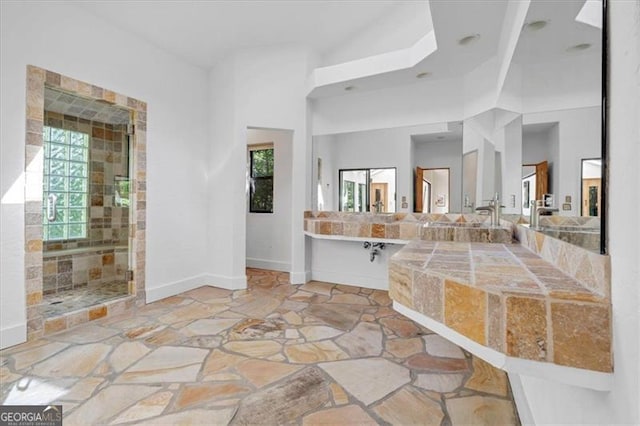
(66, 171)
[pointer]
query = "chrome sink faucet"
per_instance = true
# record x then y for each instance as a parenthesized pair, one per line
(493, 208)
(537, 208)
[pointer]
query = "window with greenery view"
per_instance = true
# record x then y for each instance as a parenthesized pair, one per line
(261, 190)
(66, 173)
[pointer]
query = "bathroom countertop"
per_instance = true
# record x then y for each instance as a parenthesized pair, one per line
(506, 299)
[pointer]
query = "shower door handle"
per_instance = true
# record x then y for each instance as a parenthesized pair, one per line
(52, 210)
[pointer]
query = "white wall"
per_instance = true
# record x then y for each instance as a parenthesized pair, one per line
(347, 262)
(269, 234)
(445, 154)
(578, 133)
(66, 39)
(262, 88)
(550, 403)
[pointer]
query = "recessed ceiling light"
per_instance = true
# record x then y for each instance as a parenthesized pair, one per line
(350, 88)
(579, 47)
(536, 25)
(468, 39)
(423, 74)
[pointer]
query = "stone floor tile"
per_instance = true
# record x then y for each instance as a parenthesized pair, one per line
(401, 327)
(340, 397)
(87, 334)
(439, 346)
(308, 353)
(83, 389)
(166, 364)
(487, 378)
(364, 340)
(126, 354)
(209, 326)
(292, 318)
(343, 317)
(482, 410)
(197, 394)
(403, 348)
(255, 348)
(32, 356)
(349, 299)
(194, 417)
(425, 362)
(285, 401)
(409, 406)
(76, 361)
(106, 403)
(317, 287)
(319, 332)
(219, 361)
(151, 406)
(261, 373)
(442, 383)
(368, 379)
(350, 414)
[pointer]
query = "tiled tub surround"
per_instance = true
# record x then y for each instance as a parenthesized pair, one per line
(83, 267)
(34, 265)
(505, 298)
(407, 226)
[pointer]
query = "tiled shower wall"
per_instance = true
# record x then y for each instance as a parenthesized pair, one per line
(102, 257)
(79, 268)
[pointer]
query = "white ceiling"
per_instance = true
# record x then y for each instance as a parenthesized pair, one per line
(204, 31)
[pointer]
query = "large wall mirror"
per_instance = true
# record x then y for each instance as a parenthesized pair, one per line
(543, 143)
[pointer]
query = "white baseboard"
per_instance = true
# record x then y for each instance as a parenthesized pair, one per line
(271, 265)
(351, 279)
(229, 283)
(300, 277)
(176, 287)
(13, 335)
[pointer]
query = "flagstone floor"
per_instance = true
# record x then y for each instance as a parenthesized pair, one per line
(275, 353)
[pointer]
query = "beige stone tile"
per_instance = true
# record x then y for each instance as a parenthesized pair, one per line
(261, 373)
(428, 295)
(426, 362)
(149, 407)
(441, 383)
(87, 334)
(403, 348)
(319, 332)
(351, 414)
(350, 299)
(401, 284)
(318, 287)
(582, 336)
(258, 349)
(166, 364)
(368, 379)
(194, 417)
(83, 390)
(364, 340)
(401, 327)
(439, 346)
(409, 406)
(526, 328)
(466, 310)
(495, 326)
(308, 353)
(42, 350)
(126, 354)
(480, 410)
(76, 361)
(197, 394)
(486, 378)
(219, 361)
(209, 326)
(340, 397)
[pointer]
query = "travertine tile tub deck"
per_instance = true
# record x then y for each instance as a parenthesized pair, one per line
(507, 298)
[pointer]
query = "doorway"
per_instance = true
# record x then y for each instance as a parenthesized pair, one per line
(591, 188)
(432, 190)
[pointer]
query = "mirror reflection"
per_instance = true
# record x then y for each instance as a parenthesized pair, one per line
(368, 190)
(536, 153)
